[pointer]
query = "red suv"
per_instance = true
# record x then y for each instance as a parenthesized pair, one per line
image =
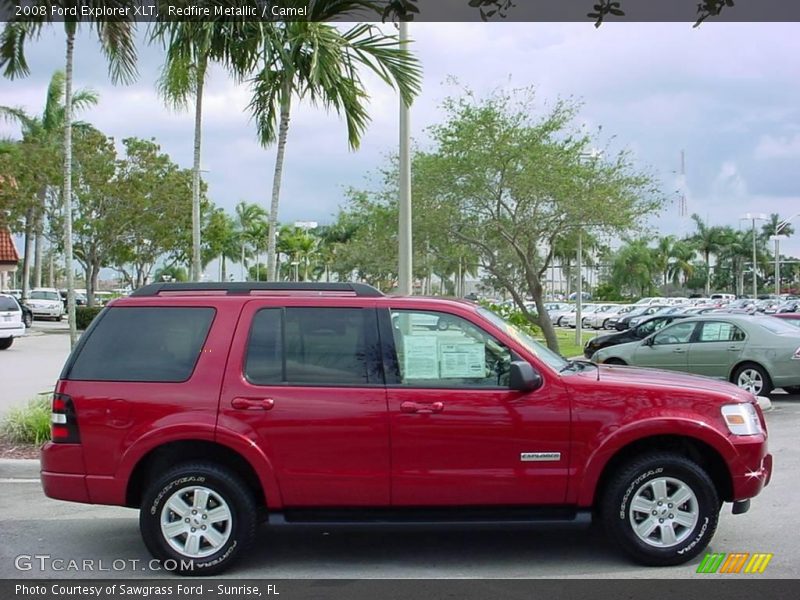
(213, 406)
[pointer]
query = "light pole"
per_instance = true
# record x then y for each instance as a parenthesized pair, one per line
(753, 217)
(404, 231)
(778, 228)
(579, 297)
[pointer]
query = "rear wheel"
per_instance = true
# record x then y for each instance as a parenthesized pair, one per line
(614, 361)
(753, 378)
(198, 518)
(5, 343)
(661, 509)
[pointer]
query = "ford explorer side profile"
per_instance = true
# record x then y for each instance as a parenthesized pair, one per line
(210, 407)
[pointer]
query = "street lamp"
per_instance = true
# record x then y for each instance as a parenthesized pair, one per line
(753, 217)
(592, 156)
(776, 238)
(404, 271)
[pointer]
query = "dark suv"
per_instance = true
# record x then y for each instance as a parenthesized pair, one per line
(208, 406)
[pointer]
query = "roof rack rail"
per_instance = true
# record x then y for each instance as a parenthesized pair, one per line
(239, 288)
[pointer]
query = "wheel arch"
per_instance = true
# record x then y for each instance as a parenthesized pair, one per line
(742, 363)
(704, 454)
(162, 457)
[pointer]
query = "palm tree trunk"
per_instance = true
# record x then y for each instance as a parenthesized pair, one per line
(286, 106)
(198, 126)
(26, 260)
(708, 274)
(38, 250)
(67, 200)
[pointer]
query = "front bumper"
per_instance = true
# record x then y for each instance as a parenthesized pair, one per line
(41, 311)
(751, 470)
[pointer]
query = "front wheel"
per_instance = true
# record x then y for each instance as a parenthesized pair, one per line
(197, 519)
(753, 378)
(661, 509)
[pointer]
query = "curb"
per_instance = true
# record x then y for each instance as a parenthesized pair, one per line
(19, 468)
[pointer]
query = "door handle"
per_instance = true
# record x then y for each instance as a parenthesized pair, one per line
(679, 351)
(421, 409)
(733, 349)
(252, 403)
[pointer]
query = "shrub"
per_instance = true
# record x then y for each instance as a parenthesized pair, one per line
(84, 315)
(28, 424)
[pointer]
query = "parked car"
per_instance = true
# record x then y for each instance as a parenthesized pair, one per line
(624, 321)
(613, 316)
(757, 353)
(46, 303)
(792, 318)
(558, 317)
(571, 319)
(211, 406)
(789, 306)
(27, 315)
(638, 332)
(11, 323)
(597, 318)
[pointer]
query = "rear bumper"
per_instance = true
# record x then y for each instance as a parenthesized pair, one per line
(65, 486)
(12, 332)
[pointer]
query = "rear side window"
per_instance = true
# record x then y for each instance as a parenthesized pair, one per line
(158, 344)
(7, 304)
(313, 346)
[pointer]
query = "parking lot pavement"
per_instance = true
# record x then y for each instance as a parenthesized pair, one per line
(33, 363)
(34, 525)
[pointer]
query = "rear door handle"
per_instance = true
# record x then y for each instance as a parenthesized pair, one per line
(253, 403)
(733, 349)
(421, 409)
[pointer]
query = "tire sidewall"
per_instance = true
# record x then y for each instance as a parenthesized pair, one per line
(150, 522)
(766, 388)
(622, 494)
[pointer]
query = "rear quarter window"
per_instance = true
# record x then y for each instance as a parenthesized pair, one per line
(155, 344)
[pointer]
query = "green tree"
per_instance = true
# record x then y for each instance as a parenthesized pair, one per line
(46, 132)
(318, 62)
(248, 219)
(117, 44)
(634, 269)
(219, 240)
(509, 184)
(707, 240)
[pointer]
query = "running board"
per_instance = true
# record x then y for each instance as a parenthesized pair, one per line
(426, 518)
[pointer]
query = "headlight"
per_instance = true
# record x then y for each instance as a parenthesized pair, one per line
(742, 419)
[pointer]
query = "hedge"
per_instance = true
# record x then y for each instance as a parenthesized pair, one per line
(84, 315)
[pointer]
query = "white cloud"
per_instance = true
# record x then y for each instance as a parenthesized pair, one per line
(770, 146)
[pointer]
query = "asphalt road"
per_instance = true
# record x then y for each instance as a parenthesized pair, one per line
(33, 363)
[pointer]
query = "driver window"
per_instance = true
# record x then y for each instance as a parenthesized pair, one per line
(677, 334)
(441, 350)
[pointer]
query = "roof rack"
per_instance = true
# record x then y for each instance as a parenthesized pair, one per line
(242, 288)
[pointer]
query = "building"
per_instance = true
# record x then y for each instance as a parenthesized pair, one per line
(9, 258)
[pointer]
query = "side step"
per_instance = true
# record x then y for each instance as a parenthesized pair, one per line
(433, 518)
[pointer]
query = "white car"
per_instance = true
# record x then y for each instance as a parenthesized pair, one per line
(559, 317)
(586, 310)
(11, 324)
(46, 303)
(598, 318)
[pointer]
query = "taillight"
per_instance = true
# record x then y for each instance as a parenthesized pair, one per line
(64, 421)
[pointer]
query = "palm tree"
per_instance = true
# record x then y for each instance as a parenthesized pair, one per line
(663, 254)
(769, 228)
(707, 240)
(681, 267)
(219, 240)
(311, 59)
(189, 47)
(117, 44)
(633, 267)
(45, 130)
(248, 217)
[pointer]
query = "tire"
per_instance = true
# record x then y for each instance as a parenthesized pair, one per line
(753, 378)
(676, 533)
(5, 343)
(219, 489)
(27, 320)
(614, 361)
(605, 324)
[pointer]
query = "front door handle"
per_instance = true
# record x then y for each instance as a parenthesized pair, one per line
(421, 408)
(679, 351)
(733, 349)
(253, 403)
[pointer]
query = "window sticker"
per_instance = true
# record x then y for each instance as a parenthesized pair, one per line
(420, 357)
(461, 360)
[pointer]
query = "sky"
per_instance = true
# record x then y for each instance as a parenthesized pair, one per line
(727, 94)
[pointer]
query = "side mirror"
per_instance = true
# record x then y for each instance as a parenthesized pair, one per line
(523, 377)
(648, 341)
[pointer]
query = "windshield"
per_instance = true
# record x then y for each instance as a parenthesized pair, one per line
(45, 296)
(538, 349)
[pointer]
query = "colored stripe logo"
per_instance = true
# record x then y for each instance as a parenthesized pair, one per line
(734, 563)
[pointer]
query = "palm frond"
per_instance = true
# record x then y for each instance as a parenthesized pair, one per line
(118, 44)
(12, 47)
(267, 94)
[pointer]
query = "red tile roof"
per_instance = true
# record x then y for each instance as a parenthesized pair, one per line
(8, 251)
